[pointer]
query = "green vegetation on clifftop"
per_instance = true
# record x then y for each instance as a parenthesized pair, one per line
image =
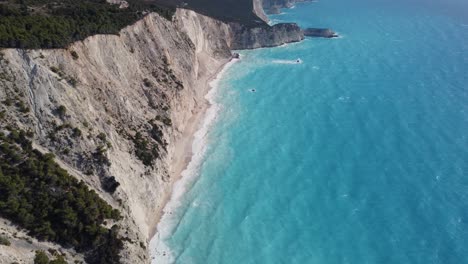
(35, 24)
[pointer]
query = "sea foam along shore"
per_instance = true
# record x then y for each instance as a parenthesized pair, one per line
(159, 250)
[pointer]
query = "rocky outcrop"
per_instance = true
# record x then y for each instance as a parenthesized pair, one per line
(120, 3)
(259, 11)
(266, 36)
(251, 37)
(274, 6)
(320, 33)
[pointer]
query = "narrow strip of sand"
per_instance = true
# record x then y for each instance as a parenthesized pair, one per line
(184, 150)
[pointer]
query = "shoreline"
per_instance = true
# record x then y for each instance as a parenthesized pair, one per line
(188, 151)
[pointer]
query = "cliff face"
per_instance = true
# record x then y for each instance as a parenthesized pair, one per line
(135, 100)
(149, 80)
(262, 36)
(274, 6)
(259, 11)
(257, 37)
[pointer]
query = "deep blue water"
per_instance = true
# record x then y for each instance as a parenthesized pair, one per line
(357, 155)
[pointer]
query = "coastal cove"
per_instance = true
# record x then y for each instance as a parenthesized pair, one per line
(354, 154)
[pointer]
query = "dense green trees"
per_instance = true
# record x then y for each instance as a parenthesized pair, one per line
(54, 24)
(38, 195)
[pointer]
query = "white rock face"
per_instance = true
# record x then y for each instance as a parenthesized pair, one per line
(115, 85)
(259, 11)
(121, 3)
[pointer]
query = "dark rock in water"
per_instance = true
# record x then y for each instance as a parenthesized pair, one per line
(236, 56)
(109, 184)
(320, 33)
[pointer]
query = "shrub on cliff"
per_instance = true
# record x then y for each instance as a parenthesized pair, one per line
(4, 241)
(58, 260)
(61, 111)
(74, 55)
(144, 150)
(41, 257)
(110, 184)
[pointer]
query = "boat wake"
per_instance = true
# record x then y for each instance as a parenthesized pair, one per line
(297, 61)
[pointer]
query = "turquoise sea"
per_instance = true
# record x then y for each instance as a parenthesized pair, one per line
(358, 154)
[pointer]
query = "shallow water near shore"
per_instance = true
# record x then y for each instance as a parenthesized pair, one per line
(357, 154)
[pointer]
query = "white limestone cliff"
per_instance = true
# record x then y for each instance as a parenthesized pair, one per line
(154, 68)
